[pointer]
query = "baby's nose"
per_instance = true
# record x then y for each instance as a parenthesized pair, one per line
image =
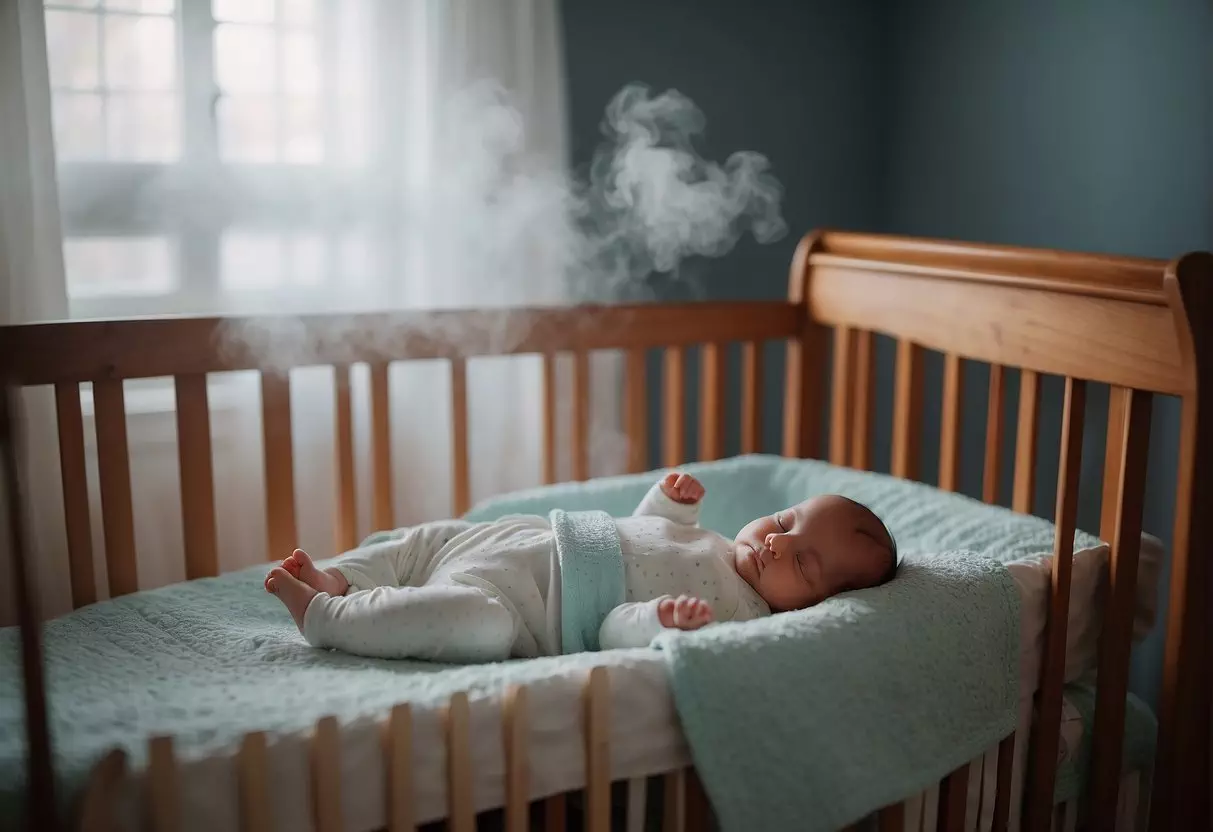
(775, 543)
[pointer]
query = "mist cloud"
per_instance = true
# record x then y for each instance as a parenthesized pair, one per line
(490, 223)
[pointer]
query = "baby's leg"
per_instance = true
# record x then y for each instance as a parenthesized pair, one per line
(443, 622)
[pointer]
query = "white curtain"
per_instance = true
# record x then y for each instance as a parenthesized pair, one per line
(267, 156)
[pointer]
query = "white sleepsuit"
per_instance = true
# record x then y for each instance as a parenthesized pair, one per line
(474, 592)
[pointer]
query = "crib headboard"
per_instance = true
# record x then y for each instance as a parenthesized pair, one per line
(1144, 327)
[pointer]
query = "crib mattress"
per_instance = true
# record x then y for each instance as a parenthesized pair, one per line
(210, 660)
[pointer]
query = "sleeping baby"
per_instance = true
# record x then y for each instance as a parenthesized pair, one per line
(458, 591)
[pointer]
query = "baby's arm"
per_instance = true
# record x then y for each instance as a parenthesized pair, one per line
(676, 497)
(636, 624)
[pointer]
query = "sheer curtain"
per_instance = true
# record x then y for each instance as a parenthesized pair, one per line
(270, 156)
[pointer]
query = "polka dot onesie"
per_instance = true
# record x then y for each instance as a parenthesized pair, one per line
(475, 592)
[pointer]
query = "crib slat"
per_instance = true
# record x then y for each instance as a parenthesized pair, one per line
(711, 401)
(865, 397)
(1002, 789)
(581, 416)
(1129, 435)
(674, 407)
(804, 373)
(197, 477)
(673, 818)
(399, 742)
(636, 411)
(892, 818)
(698, 809)
(254, 784)
(907, 410)
(751, 397)
(97, 808)
(114, 468)
(995, 425)
(840, 395)
(953, 797)
(1118, 398)
(1025, 442)
(279, 463)
(326, 775)
(163, 795)
(460, 488)
(598, 751)
(555, 813)
(638, 788)
(382, 514)
(515, 724)
(75, 494)
(949, 428)
(549, 418)
(461, 814)
(1045, 734)
(346, 527)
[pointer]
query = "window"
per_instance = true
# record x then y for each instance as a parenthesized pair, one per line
(213, 154)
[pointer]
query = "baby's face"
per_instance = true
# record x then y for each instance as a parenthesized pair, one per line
(802, 555)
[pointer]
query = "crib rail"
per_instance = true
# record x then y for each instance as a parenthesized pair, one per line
(78, 351)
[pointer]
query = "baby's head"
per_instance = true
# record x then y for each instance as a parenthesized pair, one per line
(802, 555)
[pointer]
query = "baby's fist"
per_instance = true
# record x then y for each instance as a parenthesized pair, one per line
(682, 488)
(684, 613)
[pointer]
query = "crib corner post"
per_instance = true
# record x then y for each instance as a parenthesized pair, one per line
(1183, 769)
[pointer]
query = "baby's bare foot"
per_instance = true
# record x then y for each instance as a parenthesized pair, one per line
(292, 592)
(300, 566)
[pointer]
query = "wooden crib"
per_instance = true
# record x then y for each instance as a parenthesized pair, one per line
(1143, 327)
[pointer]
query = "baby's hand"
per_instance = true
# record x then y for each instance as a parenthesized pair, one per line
(682, 488)
(684, 613)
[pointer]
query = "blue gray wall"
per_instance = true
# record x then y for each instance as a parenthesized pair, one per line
(1083, 125)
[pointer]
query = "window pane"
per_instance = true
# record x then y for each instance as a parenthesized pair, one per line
(145, 6)
(351, 132)
(302, 133)
(80, 4)
(71, 49)
(140, 52)
(243, 11)
(298, 12)
(354, 269)
(244, 58)
(99, 266)
(247, 129)
(79, 125)
(300, 64)
(144, 128)
(250, 262)
(307, 260)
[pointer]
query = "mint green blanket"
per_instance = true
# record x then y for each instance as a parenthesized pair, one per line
(813, 719)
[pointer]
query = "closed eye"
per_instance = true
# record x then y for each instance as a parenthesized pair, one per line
(783, 527)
